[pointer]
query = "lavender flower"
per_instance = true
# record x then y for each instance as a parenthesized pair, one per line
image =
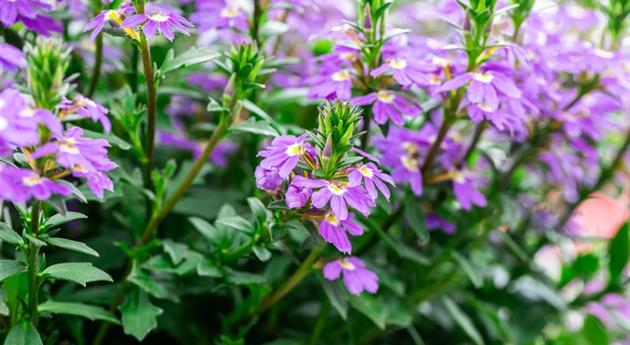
(219, 156)
(388, 105)
(334, 231)
(372, 178)
(435, 222)
(20, 185)
(83, 156)
(97, 23)
(337, 85)
(466, 191)
(212, 14)
(284, 153)
(160, 19)
(296, 197)
(338, 194)
(401, 152)
(29, 13)
(11, 59)
(356, 277)
(484, 88)
(86, 107)
(405, 72)
(268, 179)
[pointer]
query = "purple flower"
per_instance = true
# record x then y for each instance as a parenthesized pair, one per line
(20, 185)
(334, 231)
(401, 152)
(337, 85)
(212, 14)
(296, 197)
(98, 23)
(466, 192)
(268, 179)
(372, 178)
(338, 194)
(28, 12)
(484, 88)
(388, 105)
(19, 124)
(83, 156)
(284, 153)
(356, 277)
(406, 72)
(86, 107)
(11, 59)
(159, 19)
(435, 222)
(219, 155)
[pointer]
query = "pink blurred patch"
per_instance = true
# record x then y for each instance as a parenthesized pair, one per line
(601, 216)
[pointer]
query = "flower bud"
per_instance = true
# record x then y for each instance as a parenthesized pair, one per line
(48, 60)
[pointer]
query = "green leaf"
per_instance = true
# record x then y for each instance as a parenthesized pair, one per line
(415, 219)
(585, 265)
(208, 268)
(59, 219)
(262, 253)
(34, 240)
(261, 128)
(8, 235)
(594, 331)
(149, 284)
(205, 228)
(10, 267)
(78, 272)
(619, 252)
(110, 137)
(371, 307)
(337, 297)
(469, 270)
(236, 223)
(192, 56)
(256, 110)
(243, 278)
(87, 311)
(74, 246)
(139, 315)
(462, 320)
(258, 208)
(177, 251)
(24, 333)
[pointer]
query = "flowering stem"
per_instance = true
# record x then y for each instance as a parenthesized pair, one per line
(151, 100)
(98, 54)
(33, 265)
(188, 180)
(296, 278)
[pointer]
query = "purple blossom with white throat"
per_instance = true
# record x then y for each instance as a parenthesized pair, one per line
(335, 231)
(356, 276)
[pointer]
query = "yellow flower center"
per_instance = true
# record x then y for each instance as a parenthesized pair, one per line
(69, 146)
(484, 107)
(409, 163)
(410, 148)
(294, 150)
(458, 177)
(28, 112)
(330, 218)
(341, 75)
(398, 63)
(347, 264)
(112, 15)
(335, 189)
(435, 80)
(159, 17)
(367, 172)
(483, 77)
(78, 168)
(32, 180)
(385, 97)
(605, 54)
(230, 12)
(348, 57)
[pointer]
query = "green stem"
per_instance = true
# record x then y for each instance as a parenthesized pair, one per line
(98, 54)
(33, 265)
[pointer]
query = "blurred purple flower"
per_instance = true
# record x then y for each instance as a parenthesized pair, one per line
(218, 14)
(28, 12)
(356, 276)
(11, 58)
(337, 85)
(268, 179)
(159, 19)
(435, 222)
(406, 72)
(465, 189)
(388, 105)
(20, 185)
(219, 155)
(86, 107)
(484, 88)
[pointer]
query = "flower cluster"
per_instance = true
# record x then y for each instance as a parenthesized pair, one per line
(327, 180)
(32, 13)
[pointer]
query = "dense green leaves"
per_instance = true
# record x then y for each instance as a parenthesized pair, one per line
(89, 312)
(78, 272)
(10, 267)
(75, 246)
(24, 333)
(59, 219)
(7, 234)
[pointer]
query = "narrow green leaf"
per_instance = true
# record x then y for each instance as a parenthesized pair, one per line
(371, 307)
(59, 219)
(258, 208)
(87, 311)
(262, 253)
(78, 272)
(208, 268)
(243, 278)
(74, 246)
(139, 315)
(594, 331)
(176, 251)
(337, 297)
(8, 235)
(149, 284)
(10, 267)
(205, 228)
(192, 56)
(261, 128)
(24, 333)
(469, 270)
(462, 320)
(236, 223)
(34, 240)
(619, 252)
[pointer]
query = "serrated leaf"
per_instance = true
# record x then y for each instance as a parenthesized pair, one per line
(59, 219)
(78, 272)
(74, 246)
(8, 235)
(87, 311)
(462, 320)
(139, 315)
(236, 223)
(619, 252)
(24, 333)
(10, 267)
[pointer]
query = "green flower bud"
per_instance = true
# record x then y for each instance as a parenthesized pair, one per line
(48, 61)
